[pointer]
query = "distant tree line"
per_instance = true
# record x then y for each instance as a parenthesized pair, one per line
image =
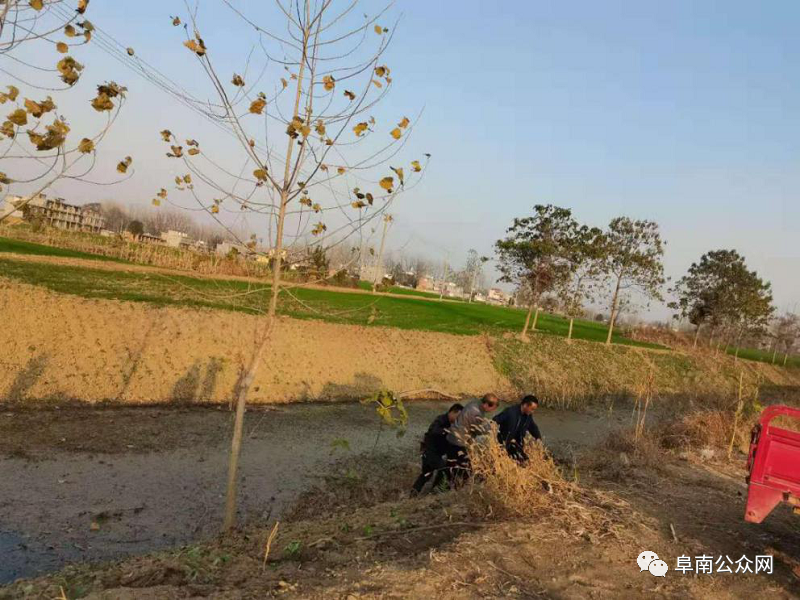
(138, 220)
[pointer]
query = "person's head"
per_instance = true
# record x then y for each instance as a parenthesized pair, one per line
(489, 403)
(528, 404)
(452, 413)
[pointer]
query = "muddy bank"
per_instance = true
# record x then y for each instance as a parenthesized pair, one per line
(65, 347)
(59, 474)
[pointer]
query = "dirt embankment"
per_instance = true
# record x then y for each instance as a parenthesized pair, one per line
(62, 347)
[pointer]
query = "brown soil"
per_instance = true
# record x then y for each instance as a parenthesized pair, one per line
(438, 547)
(64, 347)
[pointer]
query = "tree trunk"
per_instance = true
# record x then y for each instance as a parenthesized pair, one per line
(472, 285)
(696, 335)
(785, 358)
(535, 318)
(774, 353)
(248, 376)
(569, 335)
(614, 308)
(527, 321)
(736, 354)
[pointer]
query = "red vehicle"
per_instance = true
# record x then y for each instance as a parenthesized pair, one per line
(773, 465)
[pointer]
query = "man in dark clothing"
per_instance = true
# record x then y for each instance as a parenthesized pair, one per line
(434, 448)
(512, 425)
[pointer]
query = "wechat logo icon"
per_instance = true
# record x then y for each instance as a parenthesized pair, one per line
(649, 561)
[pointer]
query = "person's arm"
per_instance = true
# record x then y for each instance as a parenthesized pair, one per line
(533, 429)
(502, 424)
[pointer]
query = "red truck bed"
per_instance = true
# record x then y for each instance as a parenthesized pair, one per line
(773, 465)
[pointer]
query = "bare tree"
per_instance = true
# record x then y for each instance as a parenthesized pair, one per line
(29, 32)
(337, 172)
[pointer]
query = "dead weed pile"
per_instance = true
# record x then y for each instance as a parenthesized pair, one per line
(504, 488)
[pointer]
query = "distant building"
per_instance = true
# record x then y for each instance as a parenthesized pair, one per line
(371, 273)
(425, 284)
(176, 239)
(479, 297)
(56, 212)
(497, 296)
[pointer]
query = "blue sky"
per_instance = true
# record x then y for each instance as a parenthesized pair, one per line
(681, 112)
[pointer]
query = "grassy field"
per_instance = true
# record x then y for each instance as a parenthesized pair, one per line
(21, 247)
(339, 307)
(765, 356)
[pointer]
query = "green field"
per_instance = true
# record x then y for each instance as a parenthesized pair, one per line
(302, 303)
(765, 356)
(20, 247)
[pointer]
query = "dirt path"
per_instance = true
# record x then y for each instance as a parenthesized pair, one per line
(150, 478)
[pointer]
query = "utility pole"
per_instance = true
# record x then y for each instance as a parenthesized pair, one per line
(379, 267)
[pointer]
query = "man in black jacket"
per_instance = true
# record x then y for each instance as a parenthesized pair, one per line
(434, 448)
(512, 425)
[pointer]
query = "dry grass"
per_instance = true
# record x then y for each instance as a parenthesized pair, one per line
(504, 489)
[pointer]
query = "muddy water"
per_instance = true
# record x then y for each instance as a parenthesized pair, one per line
(142, 502)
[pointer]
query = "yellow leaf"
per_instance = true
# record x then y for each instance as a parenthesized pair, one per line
(166, 134)
(18, 117)
(85, 146)
(396, 133)
(193, 152)
(36, 4)
(316, 207)
(378, 29)
(177, 152)
(102, 102)
(416, 166)
(350, 95)
(319, 228)
(404, 123)
(305, 130)
(7, 129)
(377, 83)
(123, 165)
(341, 170)
(323, 167)
(13, 92)
(387, 183)
(176, 21)
(257, 106)
(360, 128)
(329, 142)
(69, 31)
(214, 209)
(37, 109)
(357, 204)
(284, 82)
(399, 172)
(260, 174)
(82, 4)
(130, 51)
(156, 202)
(305, 201)
(187, 178)
(320, 127)
(237, 80)
(162, 193)
(382, 71)
(197, 46)
(192, 143)
(4, 178)
(328, 82)
(62, 47)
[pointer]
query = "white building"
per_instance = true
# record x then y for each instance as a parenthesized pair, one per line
(55, 212)
(176, 239)
(497, 296)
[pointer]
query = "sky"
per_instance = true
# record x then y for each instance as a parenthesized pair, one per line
(685, 113)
